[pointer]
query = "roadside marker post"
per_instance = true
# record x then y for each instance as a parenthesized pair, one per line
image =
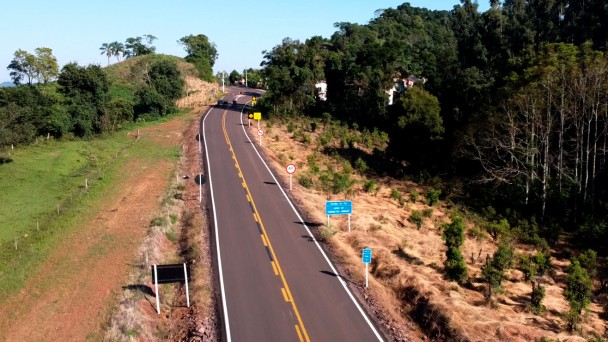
(291, 168)
(250, 116)
(156, 289)
(338, 208)
(367, 259)
(200, 187)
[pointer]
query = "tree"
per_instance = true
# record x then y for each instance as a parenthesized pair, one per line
(134, 46)
(201, 53)
(23, 66)
(106, 49)
(86, 90)
(117, 49)
(41, 66)
(13, 128)
(46, 65)
(453, 234)
(163, 85)
(578, 292)
(493, 270)
(234, 77)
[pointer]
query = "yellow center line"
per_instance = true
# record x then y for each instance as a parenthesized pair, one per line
(300, 329)
(285, 295)
(264, 240)
(299, 333)
(274, 268)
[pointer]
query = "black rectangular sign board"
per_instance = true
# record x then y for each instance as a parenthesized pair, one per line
(172, 273)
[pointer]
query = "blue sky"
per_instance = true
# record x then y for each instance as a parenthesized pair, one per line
(241, 29)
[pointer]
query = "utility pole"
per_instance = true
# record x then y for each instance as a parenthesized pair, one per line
(246, 78)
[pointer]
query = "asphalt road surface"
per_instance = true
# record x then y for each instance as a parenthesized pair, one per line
(276, 282)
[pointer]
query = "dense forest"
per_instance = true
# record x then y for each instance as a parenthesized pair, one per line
(511, 103)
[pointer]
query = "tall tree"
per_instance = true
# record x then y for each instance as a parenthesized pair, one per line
(135, 46)
(201, 52)
(23, 66)
(46, 65)
(106, 49)
(117, 49)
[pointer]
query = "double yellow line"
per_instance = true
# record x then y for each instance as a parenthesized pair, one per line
(300, 330)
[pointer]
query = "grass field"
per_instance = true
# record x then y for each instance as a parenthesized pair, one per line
(43, 195)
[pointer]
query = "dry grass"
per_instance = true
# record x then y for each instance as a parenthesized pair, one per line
(199, 93)
(135, 318)
(406, 274)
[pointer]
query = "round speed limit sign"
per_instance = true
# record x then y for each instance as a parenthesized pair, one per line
(291, 168)
(260, 132)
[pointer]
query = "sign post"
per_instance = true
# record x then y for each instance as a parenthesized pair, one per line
(172, 273)
(290, 169)
(257, 116)
(250, 116)
(260, 133)
(367, 258)
(339, 208)
(200, 187)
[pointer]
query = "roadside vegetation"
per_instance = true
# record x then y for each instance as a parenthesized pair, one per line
(439, 262)
(67, 141)
(494, 153)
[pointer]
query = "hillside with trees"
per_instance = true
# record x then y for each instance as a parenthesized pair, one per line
(83, 101)
(504, 111)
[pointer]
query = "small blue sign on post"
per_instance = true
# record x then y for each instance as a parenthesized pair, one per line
(338, 207)
(367, 259)
(367, 255)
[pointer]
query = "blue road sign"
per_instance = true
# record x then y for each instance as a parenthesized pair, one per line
(338, 207)
(367, 255)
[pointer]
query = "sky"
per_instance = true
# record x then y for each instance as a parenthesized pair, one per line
(241, 30)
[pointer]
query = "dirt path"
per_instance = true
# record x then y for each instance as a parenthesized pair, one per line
(69, 297)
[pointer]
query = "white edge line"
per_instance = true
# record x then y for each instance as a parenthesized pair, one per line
(217, 235)
(311, 235)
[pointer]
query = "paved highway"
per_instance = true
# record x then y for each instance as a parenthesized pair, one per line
(276, 282)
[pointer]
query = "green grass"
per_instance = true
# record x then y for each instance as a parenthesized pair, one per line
(50, 175)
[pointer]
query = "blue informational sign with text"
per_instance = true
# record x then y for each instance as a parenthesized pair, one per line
(338, 207)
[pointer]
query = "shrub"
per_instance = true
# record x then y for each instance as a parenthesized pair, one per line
(361, 165)
(306, 140)
(313, 126)
(453, 234)
(305, 181)
(341, 182)
(370, 186)
(312, 163)
(536, 298)
(498, 228)
(416, 218)
(395, 194)
(432, 195)
(493, 270)
(414, 196)
(578, 292)
(327, 232)
(291, 127)
(428, 213)
(588, 261)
